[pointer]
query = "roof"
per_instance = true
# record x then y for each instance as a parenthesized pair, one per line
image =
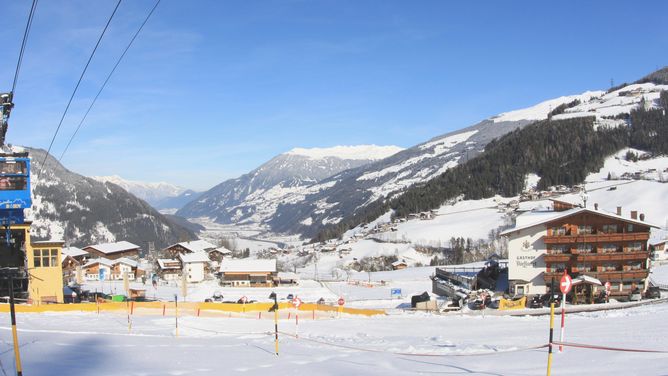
(108, 248)
(64, 257)
(127, 261)
(248, 265)
(397, 263)
(162, 262)
(567, 213)
(656, 242)
(100, 260)
(74, 251)
(287, 275)
(587, 280)
(200, 256)
(195, 245)
(222, 250)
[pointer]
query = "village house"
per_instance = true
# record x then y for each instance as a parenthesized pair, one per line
(604, 246)
(113, 251)
(194, 265)
(114, 269)
(174, 250)
(76, 253)
(169, 269)
(219, 253)
(71, 268)
(398, 265)
(247, 273)
(659, 250)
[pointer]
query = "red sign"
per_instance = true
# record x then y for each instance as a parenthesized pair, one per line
(608, 287)
(244, 299)
(341, 301)
(296, 302)
(566, 283)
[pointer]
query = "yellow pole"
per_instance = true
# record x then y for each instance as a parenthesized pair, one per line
(15, 337)
(549, 351)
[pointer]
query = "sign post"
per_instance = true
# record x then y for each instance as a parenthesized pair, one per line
(608, 288)
(341, 302)
(565, 287)
(296, 302)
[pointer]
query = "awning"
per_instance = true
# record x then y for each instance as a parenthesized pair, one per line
(587, 280)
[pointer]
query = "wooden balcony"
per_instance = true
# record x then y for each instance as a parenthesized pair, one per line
(557, 257)
(597, 238)
(630, 275)
(613, 256)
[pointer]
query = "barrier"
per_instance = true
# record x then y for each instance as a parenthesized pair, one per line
(505, 304)
(190, 308)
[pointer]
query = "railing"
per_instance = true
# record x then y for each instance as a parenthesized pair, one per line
(596, 238)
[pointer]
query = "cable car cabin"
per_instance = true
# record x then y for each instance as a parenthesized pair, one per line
(13, 262)
(14, 187)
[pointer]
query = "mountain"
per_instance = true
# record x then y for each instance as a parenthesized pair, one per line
(153, 193)
(176, 202)
(254, 197)
(83, 211)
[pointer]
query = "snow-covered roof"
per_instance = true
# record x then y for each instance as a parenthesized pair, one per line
(586, 279)
(200, 256)
(656, 242)
(196, 245)
(101, 261)
(126, 261)
(108, 248)
(248, 265)
(222, 250)
(397, 263)
(73, 251)
(163, 264)
(288, 275)
(567, 213)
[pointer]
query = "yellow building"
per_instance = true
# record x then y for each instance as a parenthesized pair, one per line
(45, 272)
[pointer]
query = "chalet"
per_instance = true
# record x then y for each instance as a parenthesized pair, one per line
(169, 269)
(606, 246)
(286, 278)
(217, 254)
(114, 269)
(398, 265)
(113, 251)
(194, 265)
(659, 249)
(71, 268)
(174, 250)
(246, 272)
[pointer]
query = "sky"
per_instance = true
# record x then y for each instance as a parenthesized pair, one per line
(212, 89)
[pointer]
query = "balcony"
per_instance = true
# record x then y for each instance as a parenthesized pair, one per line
(601, 276)
(613, 256)
(597, 238)
(557, 257)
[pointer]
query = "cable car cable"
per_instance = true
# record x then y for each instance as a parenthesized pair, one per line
(25, 41)
(76, 88)
(107, 80)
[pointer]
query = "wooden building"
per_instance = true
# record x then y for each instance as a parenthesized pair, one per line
(113, 251)
(46, 273)
(169, 269)
(584, 242)
(174, 250)
(248, 273)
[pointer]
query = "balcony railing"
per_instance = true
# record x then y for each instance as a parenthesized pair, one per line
(596, 238)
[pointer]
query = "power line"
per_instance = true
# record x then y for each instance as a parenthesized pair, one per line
(107, 80)
(76, 88)
(23, 44)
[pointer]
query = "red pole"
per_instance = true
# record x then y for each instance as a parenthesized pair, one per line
(563, 318)
(288, 315)
(197, 311)
(259, 315)
(163, 309)
(314, 314)
(132, 307)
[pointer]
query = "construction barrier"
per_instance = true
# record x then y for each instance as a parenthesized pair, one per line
(505, 304)
(188, 308)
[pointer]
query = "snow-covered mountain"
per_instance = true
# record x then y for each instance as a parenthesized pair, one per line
(305, 206)
(152, 193)
(256, 196)
(83, 211)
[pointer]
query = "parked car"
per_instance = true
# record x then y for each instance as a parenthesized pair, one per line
(635, 295)
(536, 302)
(653, 292)
(477, 304)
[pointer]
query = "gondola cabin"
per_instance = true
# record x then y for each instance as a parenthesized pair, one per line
(14, 182)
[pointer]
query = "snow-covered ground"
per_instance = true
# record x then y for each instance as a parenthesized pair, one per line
(398, 343)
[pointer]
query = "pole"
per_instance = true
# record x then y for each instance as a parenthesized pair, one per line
(176, 308)
(549, 346)
(276, 325)
(127, 305)
(15, 337)
(563, 318)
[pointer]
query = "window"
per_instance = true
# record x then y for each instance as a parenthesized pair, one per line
(556, 268)
(609, 229)
(585, 248)
(608, 248)
(12, 175)
(584, 230)
(558, 248)
(556, 231)
(634, 247)
(629, 227)
(45, 257)
(584, 267)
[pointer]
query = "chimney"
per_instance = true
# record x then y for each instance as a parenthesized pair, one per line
(596, 206)
(642, 217)
(619, 210)
(634, 214)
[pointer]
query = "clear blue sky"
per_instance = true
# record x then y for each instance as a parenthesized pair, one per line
(212, 89)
